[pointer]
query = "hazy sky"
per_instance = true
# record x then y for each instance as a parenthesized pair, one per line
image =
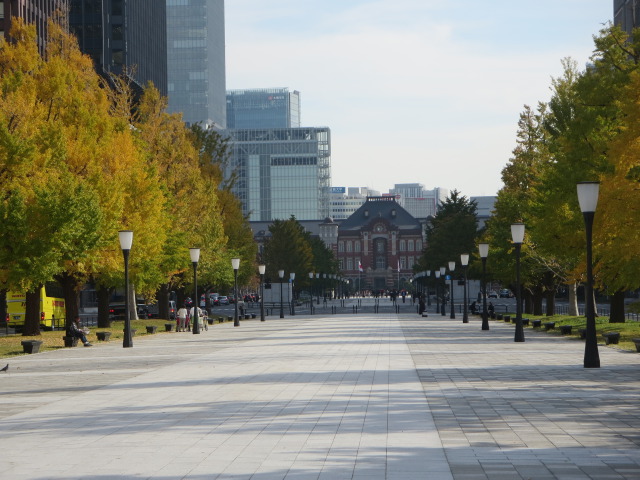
(425, 91)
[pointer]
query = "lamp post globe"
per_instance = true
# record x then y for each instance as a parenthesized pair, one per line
(235, 264)
(292, 277)
(452, 267)
(588, 198)
(426, 285)
(483, 250)
(517, 236)
(281, 275)
(126, 240)
(437, 275)
(261, 270)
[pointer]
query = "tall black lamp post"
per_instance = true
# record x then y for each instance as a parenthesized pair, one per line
(261, 270)
(318, 288)
(281, 275)
(235, 264)
(464, 261)
(517, 235)
(588, 198)
(126, 239)
(194, 253)
(426, 286)
(443, 310)
(437, 274)
(452, 267)
(483, 249)
(292, 276)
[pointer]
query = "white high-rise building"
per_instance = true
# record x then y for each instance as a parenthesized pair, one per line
(344, 201)
(418, 201)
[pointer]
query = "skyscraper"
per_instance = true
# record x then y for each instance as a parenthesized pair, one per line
(626, 14)
(121, 35)
(37, 12)
(196, 61)
(263, 108)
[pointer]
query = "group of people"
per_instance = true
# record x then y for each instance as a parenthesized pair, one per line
(184, 316)
(474, 308)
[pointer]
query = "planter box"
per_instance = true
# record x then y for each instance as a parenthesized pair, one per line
(611, 338)
(151, 328)
(133, 332)
(507, 318)
(70, 341)
(525, 321)
(168, 327)
(103, 336)
(210, 321)
(536, 323)
(565, 329)
(549, 325)
(637, 342)
(31, 346)
(583, 333)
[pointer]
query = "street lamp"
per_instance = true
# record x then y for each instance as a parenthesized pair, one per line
(464, 261)
(235, 263)
(437, 274)
(588, 199)
(292, 276)
(443, 270)
(517, 235)
(261, 270)
(428, 273)
(317, 289)
(483, 249)
(281, 275)
(452, 267)
(126, 239)
(194, 253)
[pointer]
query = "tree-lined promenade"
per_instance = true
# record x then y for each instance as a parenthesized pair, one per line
(81, 159)
(588, 131)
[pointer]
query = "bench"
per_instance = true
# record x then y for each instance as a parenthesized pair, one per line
(103, 336)
(525, 321)
(151, 328)
(549, 326)
(565, 329)
(498, 316)
(611, 338)
(31, 346)
(536, 323)
(506, 318)
(637, 342)
(168, 327)
(70, 341)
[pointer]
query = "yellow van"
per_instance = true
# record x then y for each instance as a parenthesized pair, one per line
(52, 307)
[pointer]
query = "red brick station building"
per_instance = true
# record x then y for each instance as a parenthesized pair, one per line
(376, 246)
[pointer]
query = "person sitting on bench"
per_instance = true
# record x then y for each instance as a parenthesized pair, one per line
(75, 331)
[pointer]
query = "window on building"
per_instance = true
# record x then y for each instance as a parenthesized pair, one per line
(341, 246)
(410, 246)
(349, 263)
(412, 261)
(356, 246)
(403, 263)
(349, 246)
(340, 264)
(403, 246)
(418, 245)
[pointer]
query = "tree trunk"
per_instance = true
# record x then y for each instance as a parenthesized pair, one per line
(133, 304)
(573, 299)
(162, 297)
(3, 304)
(103, 307)
(528, 301)
(551, 303)
(617, 308)
(32, 313)
(537, 300)
(70, 292)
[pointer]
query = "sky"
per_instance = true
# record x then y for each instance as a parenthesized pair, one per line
(414, 91)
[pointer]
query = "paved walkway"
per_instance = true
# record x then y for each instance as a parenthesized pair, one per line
(335, 397)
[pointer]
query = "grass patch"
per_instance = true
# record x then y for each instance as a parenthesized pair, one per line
(628, 330)
(10, 346)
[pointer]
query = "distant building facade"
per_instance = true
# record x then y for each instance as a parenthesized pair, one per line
(626, 14)
(196, 61)
(281, 172)
(418, 201)
(36, 12)
(344, 201)
(379, 244)
(263, 108)
(124, 36)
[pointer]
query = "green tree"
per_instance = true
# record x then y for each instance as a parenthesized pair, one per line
(287, 249)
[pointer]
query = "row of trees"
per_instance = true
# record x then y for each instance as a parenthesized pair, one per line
(81, 160)
(588, 130)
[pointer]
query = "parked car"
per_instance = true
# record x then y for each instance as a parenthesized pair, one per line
(505, 293)
(223, 300)
(492, 294)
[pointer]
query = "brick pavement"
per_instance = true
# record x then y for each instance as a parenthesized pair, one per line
(336, 397)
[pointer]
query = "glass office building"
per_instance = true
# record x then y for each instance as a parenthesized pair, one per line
(282, 172)
(121, 36)
(196, 61)
(263, 108)
(626, 14)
